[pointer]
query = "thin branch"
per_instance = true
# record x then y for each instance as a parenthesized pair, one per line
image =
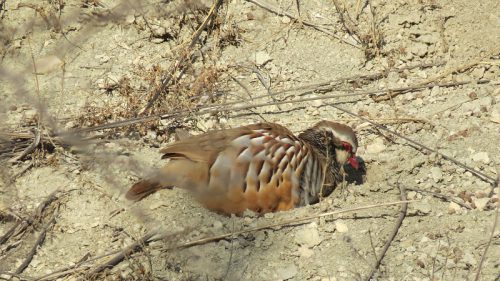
(37, 244)
(393, 234)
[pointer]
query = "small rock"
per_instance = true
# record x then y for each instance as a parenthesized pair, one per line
(376, 146)
(308, 236)
(453, 208)
(421, 208)
(262, 58)
(305, 252)
(418, 49)
(481, 203)
(129, 19)
(217, 224)
(436, 174)
(469, 259)
(481, 157)
(341, 227)
(287, 271)
(495, 113)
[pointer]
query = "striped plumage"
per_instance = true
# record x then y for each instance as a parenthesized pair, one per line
(260, 167)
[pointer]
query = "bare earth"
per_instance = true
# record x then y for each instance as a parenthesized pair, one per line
(97, 62)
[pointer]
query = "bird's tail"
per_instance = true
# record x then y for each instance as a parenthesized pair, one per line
(142, 189)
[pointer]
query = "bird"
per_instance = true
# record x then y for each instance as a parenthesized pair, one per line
(260, 167)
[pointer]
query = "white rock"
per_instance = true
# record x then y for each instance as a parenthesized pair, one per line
(495, 113)
(436, 174)
(341, 227)
(481, 203)
(453, 208)
(305, 252)
(481, 157)
(287, 271)
(308, 236)
(217, 224)
(376, 146)
(262, 57)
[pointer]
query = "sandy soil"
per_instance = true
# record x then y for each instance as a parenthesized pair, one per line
(71, 64)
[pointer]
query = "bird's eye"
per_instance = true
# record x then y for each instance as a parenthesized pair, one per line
(347, 146)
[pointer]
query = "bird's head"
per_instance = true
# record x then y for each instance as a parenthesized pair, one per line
(331, 137)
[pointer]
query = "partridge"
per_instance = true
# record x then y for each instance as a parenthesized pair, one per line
(261, 167)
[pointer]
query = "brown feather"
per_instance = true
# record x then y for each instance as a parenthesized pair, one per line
(142, 189)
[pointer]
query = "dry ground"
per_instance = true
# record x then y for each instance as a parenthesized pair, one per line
(428, 70)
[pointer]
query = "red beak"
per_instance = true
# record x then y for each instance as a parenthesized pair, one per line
(354, 162)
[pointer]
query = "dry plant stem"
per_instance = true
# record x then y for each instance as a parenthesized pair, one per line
(179, 63)
(136, 246)
(37, 244)
(399, 222)
(37, 214)
(272, 9)
(224, 107)
(288, 223)
(493, 181)
(29, 149)
(483, 257)
(160, 235)
(441, 196)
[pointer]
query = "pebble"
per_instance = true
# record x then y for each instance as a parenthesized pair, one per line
(262, 58)
(421, 208)
(305, 252)
(495, 113)
(341, 227)
(481, 203)
(453, 208)
(376, 146)
(217, 224)
(418, 49)
(287, 271)
(436, 174)
(481, 157)
(308, 236)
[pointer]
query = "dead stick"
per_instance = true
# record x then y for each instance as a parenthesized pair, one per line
(145, 240)
(399, 222)
(156, 235)
(223, 107)
(37, 244)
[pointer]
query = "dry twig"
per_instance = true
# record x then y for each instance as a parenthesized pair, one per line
(393, 234)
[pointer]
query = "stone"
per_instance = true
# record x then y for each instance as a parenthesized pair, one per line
(262, 58)
(495, 113)
(305, 252)
(341, 227)
(436, 174)
(217, 224)
(286, 272)
(481, 157)
(418, 49)
(481, 203)
(308, 236)
(453, 208)
(376, 146)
